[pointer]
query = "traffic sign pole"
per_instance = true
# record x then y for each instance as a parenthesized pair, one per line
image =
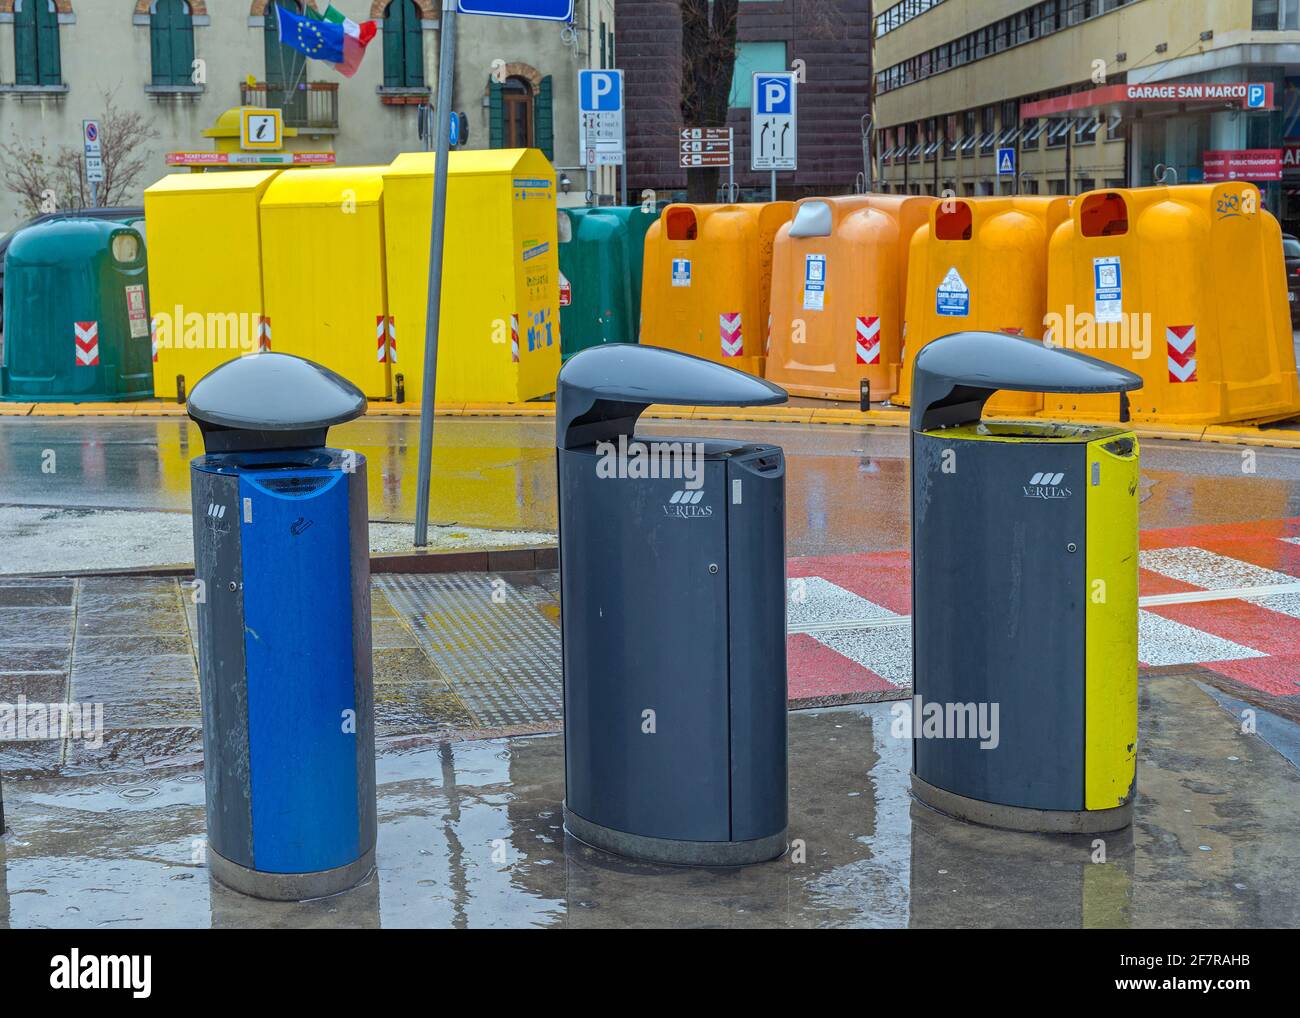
(446, 82)
(540, 10)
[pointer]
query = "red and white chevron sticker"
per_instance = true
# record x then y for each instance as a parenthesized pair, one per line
(385, 339)
(263, 334)
(514, 339)
(87, 341)
(1180, 344)
(767, 345)
(733, 342)
(867, 342)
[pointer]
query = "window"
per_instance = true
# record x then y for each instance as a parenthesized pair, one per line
(36, 43)
(1058, 130)
(987, 128)
(520, 117)
(403, 46)
(171, 42)
(751, 57)
(1033, 129)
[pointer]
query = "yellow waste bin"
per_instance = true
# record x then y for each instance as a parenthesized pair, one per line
(839, 282)
(1185, 286)
(499, 331)
(205, 272)
(980, 264)
(706, 281)
(323, 271)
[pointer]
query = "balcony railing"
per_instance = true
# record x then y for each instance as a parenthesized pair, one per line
(310, 104)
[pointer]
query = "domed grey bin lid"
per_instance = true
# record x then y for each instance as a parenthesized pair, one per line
(602, 391)
(271, 401)
(954, 376)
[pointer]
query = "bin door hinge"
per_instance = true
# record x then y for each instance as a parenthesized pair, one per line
(248, 510)
(735, 491)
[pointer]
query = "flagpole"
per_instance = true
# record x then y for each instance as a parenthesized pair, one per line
(446, 82)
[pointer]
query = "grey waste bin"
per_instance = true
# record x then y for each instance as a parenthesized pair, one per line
(672, 600)
(281, 554)
(1024, 592)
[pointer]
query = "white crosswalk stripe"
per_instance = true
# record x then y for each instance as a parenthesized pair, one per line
(1163, 641)
(1207, 569)
(815, 605)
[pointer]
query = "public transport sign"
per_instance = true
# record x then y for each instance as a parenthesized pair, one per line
(537, 10)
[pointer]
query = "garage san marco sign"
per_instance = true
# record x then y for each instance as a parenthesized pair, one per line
(1250, 95)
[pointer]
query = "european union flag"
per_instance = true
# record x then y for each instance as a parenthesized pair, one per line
(319, 40)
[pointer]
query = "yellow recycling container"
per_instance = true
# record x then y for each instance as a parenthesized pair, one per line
(1185, 286)
(980, 264)
(839, 283)
(205, 272)
(323, 271)
(499, 333)
(706, 281)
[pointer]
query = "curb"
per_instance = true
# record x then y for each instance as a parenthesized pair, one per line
(892, 417)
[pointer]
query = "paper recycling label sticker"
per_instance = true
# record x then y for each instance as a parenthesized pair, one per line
(681, 272)
(953, 295)
(1108, 287)
(814, 282)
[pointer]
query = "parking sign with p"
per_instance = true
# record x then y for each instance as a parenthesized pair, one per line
(772, 122)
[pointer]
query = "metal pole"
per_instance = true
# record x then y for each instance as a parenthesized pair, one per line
(622, 168)
(446, 82)
(774, 185)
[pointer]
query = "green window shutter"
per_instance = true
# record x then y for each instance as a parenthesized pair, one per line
(25, 45)
(414, 46)
(48, 69)
(160, 44)
(496, 116)
(182, 44)
(171, 43)
(543, 121)
(394, 22)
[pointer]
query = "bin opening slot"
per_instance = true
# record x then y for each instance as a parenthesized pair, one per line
(681, 224)
(1103, 215)
(813, 219)
(952, 223)
(293, 485)
(1121, 447)
(767, 464)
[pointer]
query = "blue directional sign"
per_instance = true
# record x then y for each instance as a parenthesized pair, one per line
(1255, 96)
(1007, 162)
(538, 10)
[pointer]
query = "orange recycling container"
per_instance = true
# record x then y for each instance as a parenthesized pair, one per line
(1185, 286)
(980, 264)
(839, 286)
(706, 281)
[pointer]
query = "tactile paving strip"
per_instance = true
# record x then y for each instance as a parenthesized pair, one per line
(490, 638)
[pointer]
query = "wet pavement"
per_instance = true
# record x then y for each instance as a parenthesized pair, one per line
(846, 486)
(470, 836)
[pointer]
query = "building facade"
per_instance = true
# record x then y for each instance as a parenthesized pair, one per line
(829, 40)
(181, 63)
(1086, 94)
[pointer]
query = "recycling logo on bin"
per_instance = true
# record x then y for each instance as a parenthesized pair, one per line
(814, 282)
(953, 295)
(681, 272)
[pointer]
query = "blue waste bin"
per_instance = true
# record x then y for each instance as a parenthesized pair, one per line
(281, 556)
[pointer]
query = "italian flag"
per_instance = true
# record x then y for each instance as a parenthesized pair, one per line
(355, 38)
